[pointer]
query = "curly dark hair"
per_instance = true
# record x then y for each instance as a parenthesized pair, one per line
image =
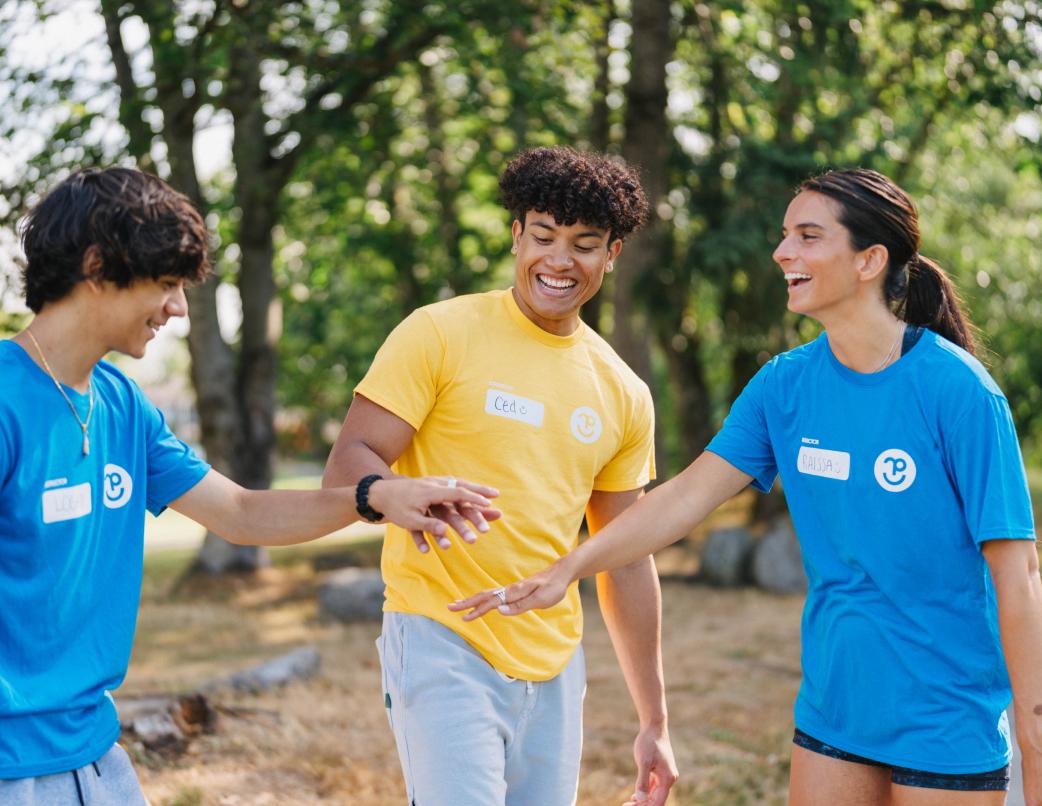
(575, 186)
(141, 227)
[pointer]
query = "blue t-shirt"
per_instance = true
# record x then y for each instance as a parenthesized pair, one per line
(893, 480)
(71, 544)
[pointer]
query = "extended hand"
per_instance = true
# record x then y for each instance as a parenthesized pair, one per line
(431, 505)
(539, 591)
(656, 768)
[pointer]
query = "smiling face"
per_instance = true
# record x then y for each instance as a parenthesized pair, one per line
(824, 272)
(558, 268)
(132, 316)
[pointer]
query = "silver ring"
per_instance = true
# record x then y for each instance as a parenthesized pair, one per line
(501, 594)
(451, 482)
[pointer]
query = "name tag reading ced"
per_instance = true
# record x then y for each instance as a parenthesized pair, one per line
(513, 407)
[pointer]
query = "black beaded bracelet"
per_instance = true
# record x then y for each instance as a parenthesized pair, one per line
(362, 499)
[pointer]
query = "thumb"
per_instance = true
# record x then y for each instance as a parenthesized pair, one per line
(643, 784)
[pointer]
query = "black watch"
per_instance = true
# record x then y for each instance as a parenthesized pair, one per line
(362, 499)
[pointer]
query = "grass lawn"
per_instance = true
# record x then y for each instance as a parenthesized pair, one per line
(732, 662)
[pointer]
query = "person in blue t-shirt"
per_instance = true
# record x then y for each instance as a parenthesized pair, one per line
(905, 482)
(83, 454)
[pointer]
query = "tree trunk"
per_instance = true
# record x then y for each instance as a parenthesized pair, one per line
(645, 146)
(600, 136)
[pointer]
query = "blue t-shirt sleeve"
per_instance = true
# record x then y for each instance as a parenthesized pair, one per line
(744, 440)
(984, 460)
(173, 467)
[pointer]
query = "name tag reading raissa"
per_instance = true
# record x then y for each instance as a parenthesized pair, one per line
(827, 464)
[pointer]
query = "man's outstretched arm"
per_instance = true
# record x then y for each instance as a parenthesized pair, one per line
(285, 517)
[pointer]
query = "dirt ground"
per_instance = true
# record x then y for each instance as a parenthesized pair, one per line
(732, 670)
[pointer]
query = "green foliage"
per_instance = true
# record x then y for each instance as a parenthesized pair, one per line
(390, 122)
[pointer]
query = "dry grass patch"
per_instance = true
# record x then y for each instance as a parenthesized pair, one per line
(731, 657)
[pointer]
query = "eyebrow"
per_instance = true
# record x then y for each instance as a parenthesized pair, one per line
(583, 234)
(806, 225)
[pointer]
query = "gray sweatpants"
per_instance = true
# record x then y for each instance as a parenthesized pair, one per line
(109, 781)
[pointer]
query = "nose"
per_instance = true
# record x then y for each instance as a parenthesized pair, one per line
(177, 302)
(783, 251)
(560, 257)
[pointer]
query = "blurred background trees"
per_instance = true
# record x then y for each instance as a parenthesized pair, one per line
(365, 140)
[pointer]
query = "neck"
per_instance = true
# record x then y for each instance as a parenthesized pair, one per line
(69, 354)
(864, 342)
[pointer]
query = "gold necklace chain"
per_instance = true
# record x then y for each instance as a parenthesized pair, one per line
(90, 391)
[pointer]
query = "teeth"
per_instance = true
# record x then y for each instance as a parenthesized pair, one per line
(556, 282)
(794, 275)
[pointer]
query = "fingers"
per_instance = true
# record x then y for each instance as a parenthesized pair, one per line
(480, 489)
(518, 598)
(475, 516)
(420, 539)
(457, 495)
(450, 515)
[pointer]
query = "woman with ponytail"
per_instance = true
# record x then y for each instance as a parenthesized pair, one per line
(905, 482)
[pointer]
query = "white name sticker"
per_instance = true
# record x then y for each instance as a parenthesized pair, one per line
(827, 464)
(66, 503)
(513, 407)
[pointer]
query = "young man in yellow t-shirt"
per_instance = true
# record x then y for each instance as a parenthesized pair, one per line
(511, 387)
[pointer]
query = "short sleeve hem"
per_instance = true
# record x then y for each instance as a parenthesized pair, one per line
(157, 507)
(395, 407)
(999, 534)
(762, 480)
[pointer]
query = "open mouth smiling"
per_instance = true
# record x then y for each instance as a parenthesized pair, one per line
(795, 278)
(555, 283)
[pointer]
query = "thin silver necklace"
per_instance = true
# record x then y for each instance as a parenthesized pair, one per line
(90, 391)
(893, 350)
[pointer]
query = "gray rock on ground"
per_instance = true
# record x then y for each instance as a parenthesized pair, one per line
(777, 564)
(300, 664)
(725, 557)
(352, 594)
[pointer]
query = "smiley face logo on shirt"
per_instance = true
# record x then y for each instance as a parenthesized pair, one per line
(586, 425)
(895, 470)
(117, 487)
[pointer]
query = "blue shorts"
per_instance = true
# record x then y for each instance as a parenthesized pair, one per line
(996, 780)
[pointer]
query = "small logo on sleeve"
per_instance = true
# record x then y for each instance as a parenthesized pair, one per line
(895, 470)
(586, 425)
(117, 487)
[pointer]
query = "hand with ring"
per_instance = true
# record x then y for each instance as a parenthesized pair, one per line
(464, 518)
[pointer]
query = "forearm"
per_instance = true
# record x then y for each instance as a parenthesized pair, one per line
(631, 602)
(663, 516)
(1020, 626)
(280, 517)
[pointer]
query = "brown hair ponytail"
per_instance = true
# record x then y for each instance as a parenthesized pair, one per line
(876, 211)
(932, 301)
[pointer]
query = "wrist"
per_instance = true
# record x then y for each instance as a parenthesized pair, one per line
(571, 567)
(658, 723)
(368, 498)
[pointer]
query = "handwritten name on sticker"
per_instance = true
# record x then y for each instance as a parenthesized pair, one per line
(66, 503)
(827, 464)
(514, 407)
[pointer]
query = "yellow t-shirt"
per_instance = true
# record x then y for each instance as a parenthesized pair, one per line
(545, 419)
